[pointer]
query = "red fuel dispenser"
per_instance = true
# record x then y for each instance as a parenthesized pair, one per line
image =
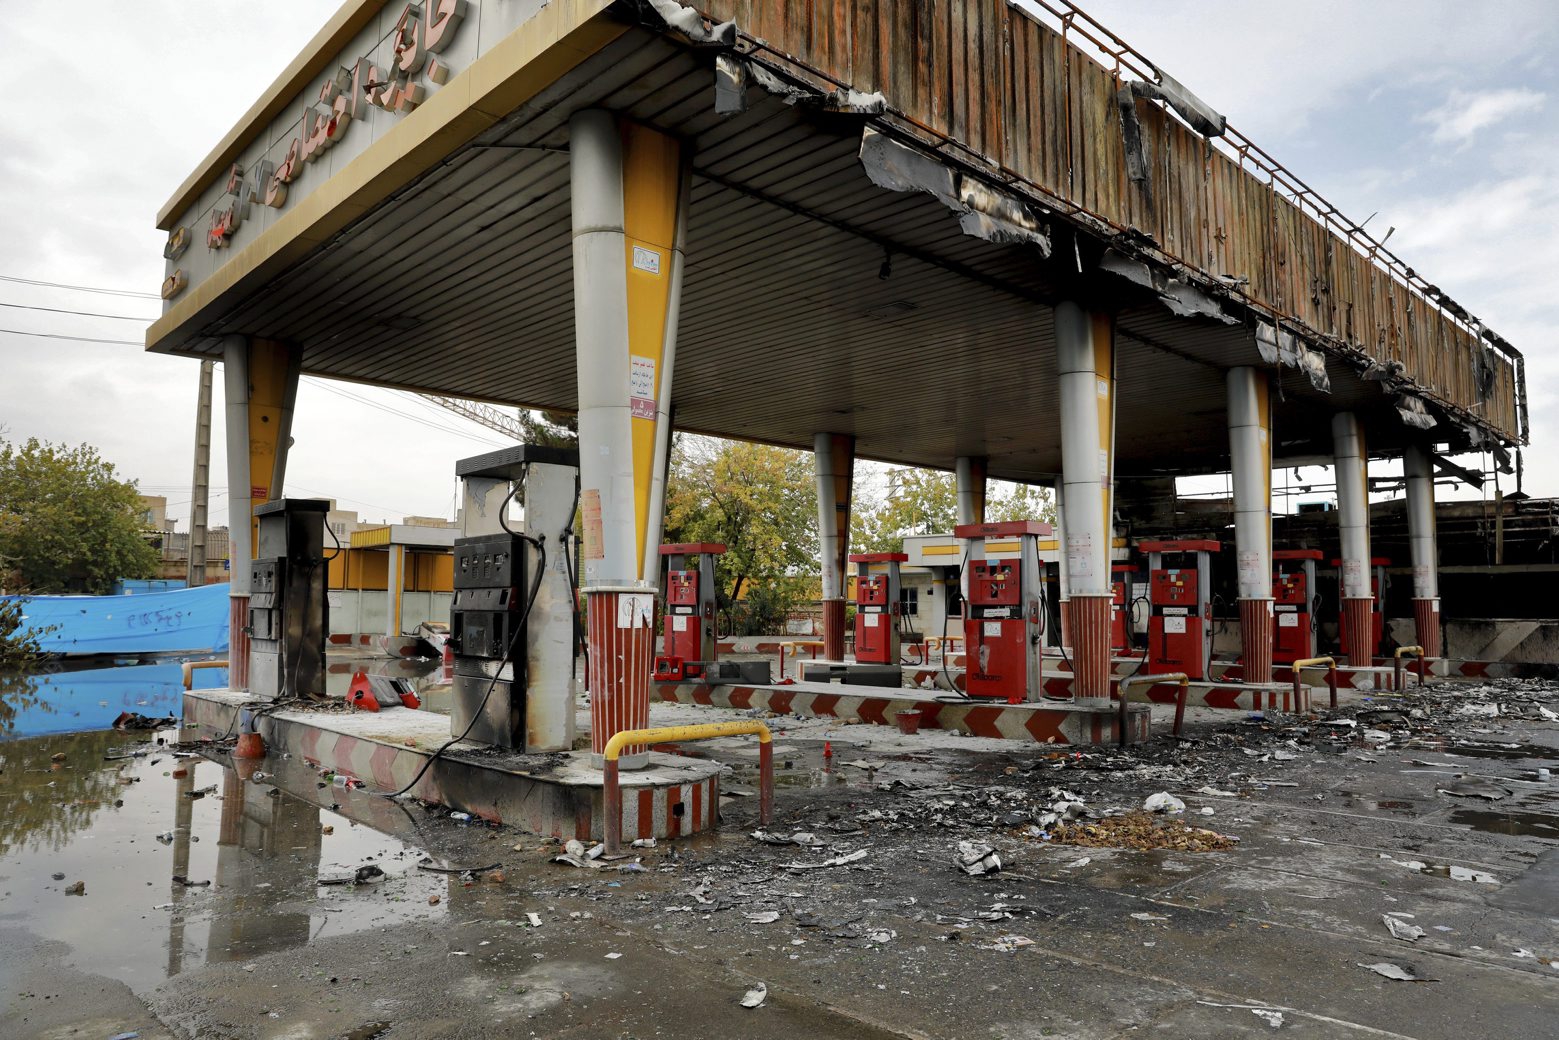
(1120, 608)
(1293, 600)
(1003, 622)
(691, 644)
(877, 608)
(1180, 631)
(1378, 567)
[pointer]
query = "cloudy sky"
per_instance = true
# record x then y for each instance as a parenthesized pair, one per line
(1440, 117)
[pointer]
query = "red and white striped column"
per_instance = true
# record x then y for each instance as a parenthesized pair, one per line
(1353, 530)
(1250, 463)
(1085, 364)
(835, 467)
(1418, 468)
(629, 201)
(620, 629)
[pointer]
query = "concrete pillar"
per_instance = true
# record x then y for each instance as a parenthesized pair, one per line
(1419, 471)
(835, 460)
(629, 192)
(394, 588)
(260, 390)
(1250, 457)
(1353, 529)
(969, 472)
(1085, 363)
(1063, 582)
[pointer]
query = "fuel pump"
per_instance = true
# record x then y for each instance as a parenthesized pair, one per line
(1378, 567)
(1294, 600)
(512, 624)
(877, 608)
(1004, 618)
(287, 600)
(691, 643)
(1120, 608)
(1180, 631)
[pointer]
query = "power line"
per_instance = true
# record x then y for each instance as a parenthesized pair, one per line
(76, 339)
(85, 314)
(323, 385)
(79, 288)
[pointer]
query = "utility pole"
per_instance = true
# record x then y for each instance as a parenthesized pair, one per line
(200, 485)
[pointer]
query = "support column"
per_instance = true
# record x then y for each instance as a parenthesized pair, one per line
(629, 192)
(1085, 362)
(1250, 458)
(260, 387)
(394, 588)
(969, 481)
(1419, 470)
(1353, 529)
(969, 473)
(200, 481)
(1063, 581)
(835, 477)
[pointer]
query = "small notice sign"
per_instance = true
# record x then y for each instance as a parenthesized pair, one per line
(590, 509)
(634, 610)
(641, 386)
(646, 260)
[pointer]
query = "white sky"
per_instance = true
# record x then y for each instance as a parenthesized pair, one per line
(1441, 116)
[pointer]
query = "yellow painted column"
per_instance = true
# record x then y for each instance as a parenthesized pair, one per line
(629, 189)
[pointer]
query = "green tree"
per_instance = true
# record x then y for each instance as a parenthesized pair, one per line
(550, 429)
(18, 642)
(923, 501)
(67, 523)
(760, 501)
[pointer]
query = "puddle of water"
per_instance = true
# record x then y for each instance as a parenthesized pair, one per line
(1516, 824)
(261, 850)
(65, 697)
(1503, 751)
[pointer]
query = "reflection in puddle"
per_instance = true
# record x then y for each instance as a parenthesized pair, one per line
(1516, 824)
(251, 852)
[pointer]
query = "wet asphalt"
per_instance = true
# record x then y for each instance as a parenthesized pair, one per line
(1273, 935)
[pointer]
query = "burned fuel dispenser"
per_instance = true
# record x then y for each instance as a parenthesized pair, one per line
(691, 642)
(287, 600)
(1378, 565)
(878, 609)
(1294, 600)
(513, 624)
(1122, 587)
(1180, 629)
(1004, 625)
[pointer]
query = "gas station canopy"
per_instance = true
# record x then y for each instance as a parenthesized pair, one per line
(887, 199)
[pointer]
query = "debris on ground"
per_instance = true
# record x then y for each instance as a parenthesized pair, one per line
(837, 861)
(1396, 972)
(976, 858)
(1138, 830)
(366, 874)
(78, 888)
(756, 996)
(1400, 929)
(1163, 802)
(1271, 1018)
(131, 720)
(1008, 943)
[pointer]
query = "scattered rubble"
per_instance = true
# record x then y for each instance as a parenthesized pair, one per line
(1139, 831)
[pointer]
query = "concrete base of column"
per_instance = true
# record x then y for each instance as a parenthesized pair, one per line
(238, 642)
(1358, 631)
(621, 659)
(1256, 639)
(833, 629)
(1091, 644)
(1426, 625)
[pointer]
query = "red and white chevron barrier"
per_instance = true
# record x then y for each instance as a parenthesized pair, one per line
(1043, 723)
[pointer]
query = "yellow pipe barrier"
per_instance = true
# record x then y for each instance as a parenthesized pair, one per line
(189, 670)
(612, 796)
(1397, 666)
(792, 648)
(1312, 662)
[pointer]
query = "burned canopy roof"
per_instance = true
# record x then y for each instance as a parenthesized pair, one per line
(887, 197)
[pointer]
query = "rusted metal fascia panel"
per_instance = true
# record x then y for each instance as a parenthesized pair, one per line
(1278, 346)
